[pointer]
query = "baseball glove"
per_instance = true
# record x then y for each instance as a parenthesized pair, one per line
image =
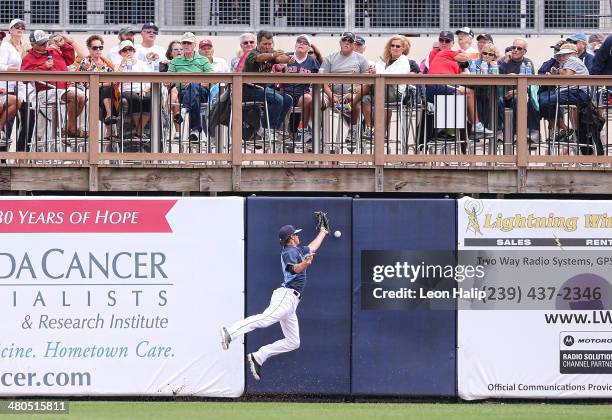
(322, 221)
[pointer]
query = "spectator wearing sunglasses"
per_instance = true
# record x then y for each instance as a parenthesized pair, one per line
(444, 60)
(175, 49)
(570, 64)
(394, 61)
(148, 51)
(302, 63)
(484, 96)
(247, 44)
(125, 34)
(191, 94)
(511, 64)
(109, 94)
(581, 41)
(489, 54)
(12, 51)
(137, 95)
(347, 95)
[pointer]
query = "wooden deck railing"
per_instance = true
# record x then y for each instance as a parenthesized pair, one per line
(235, 157)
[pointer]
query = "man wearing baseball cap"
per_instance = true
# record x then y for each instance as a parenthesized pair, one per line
(206, 49)
(570, 65)
(360, 47)
(191, 95)
(301, 63)
(482, 40)
(347, 60)
(125, 34)
(360, 44)
(443, 60)
(551, 63)
(464, 38)
(148, 51)
(582, 42)
(42, 57)
(294, 259)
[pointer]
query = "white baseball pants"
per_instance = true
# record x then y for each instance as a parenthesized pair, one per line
(283, 305)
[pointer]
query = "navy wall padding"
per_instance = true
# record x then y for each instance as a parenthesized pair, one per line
(322, 363)
(402, 352)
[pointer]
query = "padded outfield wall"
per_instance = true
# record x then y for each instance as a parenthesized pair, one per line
(92, 290)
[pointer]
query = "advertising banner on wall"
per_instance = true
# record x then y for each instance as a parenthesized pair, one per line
(120, 296)
(541, 328)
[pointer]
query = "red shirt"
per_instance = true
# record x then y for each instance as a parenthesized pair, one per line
(443, 62)
(62, 58)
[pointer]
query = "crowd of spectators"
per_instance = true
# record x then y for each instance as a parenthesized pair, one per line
(451, 53)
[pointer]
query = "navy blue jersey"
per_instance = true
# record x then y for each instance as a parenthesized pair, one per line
(309, 65)
(291, 255)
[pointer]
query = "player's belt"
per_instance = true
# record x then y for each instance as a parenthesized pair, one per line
(295, 292)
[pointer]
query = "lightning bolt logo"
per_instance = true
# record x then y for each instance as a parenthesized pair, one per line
(558, 242)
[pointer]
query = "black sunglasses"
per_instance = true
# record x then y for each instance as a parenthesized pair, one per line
(445, 41)
(98, 48)
(349, 40)
(489, 54)
(517, 48)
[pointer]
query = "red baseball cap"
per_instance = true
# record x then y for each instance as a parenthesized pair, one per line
(205, 43)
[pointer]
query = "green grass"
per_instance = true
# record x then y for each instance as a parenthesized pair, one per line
(310, 410)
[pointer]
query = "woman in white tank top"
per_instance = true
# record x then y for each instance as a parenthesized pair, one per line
(11, 93)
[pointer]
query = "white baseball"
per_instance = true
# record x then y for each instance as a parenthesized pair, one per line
(337, 234)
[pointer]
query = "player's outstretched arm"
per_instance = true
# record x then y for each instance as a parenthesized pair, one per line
(318, 240)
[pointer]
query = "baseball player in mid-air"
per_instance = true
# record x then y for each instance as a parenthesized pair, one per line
(295, 259)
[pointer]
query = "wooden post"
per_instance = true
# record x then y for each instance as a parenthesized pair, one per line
(236, 131)
(521, 122)
(522, 148)
(379, 121)
(379, 132)
(94, 127)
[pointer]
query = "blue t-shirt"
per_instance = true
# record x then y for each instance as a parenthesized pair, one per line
(309, 65)
(291, 255)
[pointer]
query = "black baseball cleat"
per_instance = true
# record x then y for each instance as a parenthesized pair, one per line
(255, 367)
(226, 339)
